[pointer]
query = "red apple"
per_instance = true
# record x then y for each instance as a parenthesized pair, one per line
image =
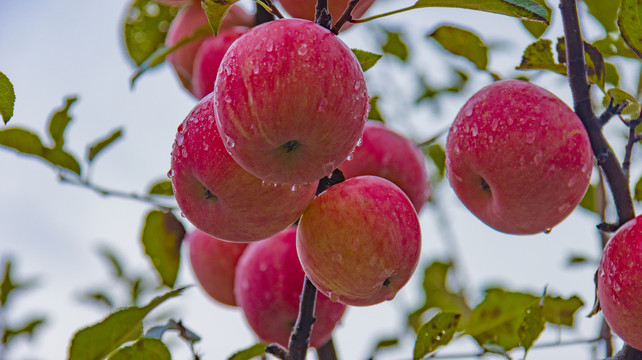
(518, 157)
(268, 286)
(217, 195)
(619, 286)
(208, 58)
(214, 264)
(290, 100)
(386, 154)
(359, 241)
(305, 9)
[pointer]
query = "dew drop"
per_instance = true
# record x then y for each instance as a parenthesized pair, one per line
(572, 181)
(256, 69)
(230, 142)
(584, 168)
(179, 138)
(206, 147)
(349, 158)
(357, 85)
(184, 153)
(182, 214)
(181, 127)
(509, 121)
(322, 105)
(328, 168)
(264, 183)
(360, 142)
(530, 138)
(494, 124)
(563, 207)
(170, 173)
(490, 139)
(457, 150)
(548, 230)
(474, 130)
(538, 157)
(303, 49)
(270, 46)
(469, 112)
(228, 99)
(293, 188)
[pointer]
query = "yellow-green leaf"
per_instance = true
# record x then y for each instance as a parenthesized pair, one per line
(143, 349)
(100, 144)
(162, 236)
(628, 21)
(163, 187)
(463, 43)
(216, 10)
(7, 98)
(538, 28)
(523, 9)
(249, 353)
(437, 332)
(374, 113)
(588, 201)
(604, 11)
(59, 121)
(531, 327)
(366, 59)
(632, 110)
(145, 27)
(395, 45)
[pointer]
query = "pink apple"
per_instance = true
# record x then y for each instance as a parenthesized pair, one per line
(214, 264)
(217, 195)
(619, 286)
(290, 100)
(208, 58)
(386, 154)
(359, 241)
(305, 9)
(518, 157)
(268, 286)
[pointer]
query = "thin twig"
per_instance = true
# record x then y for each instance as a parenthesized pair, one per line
(633, 138)
(538, 346)
(278, 351)
(347, 16)
(300, 338)
(262, 14)
(327, 351)
(270, 7)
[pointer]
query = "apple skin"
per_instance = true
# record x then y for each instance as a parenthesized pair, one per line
(386, 154)
(217, 195)
(619, 282)
(189, 19)
(518, 157)
(359, 241)
(208, 58)
(305, 9)
(214, 264)
(290, 100)
(268, 286)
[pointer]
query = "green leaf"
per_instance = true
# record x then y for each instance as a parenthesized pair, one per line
(560, 311)
(594, 62)
(437, 332)
(438, 295)
(638, 190)
(374, 113)
(97, 341)
(97, 298)
(437, 154)
(7, 286)
(628, 21)
(620, 97)
(395, 45)
(7, 98)
(145, 28)
(386, 343)
(27, 329)
(531, 327)
(249, 353)
(59, 121)
(577, 259)
(463, 43)
(113, 261)
(99, 145)
(162, 236)
(612, 76)
(62, 159)
(523, 9)
(215, 11)
(366, 59)
(588, 201)
(163, 187)
(22, 141)
(612, 45)
(537, 28)
(143, 349)
(605, 12)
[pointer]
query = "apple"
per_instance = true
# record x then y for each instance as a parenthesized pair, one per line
(386, 154)
(305, 9)
(188, 20)
(619, 282)
(359, 241)
(290, 100)
(208, 58)
(518, 157)
(268, 286)
(217, 195)
(214, 264)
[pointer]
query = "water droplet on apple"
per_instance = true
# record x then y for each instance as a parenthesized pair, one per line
(182, 214)
(563, 207)
(329, 167)
(322, 105)
(530, 138)
(572, 181)
(303, 49)
(170, 173)
(270, 46)
(332, 296)
(184, 153)
(265, 183)
(538, 157)
(548, 230)
(349, 158)
(584, 168)
(293, 188)
(181, 127)
(256, 69)
(360, 142)
(228, 99)
(357, 85)
(509, 121)
(474, 130)
(469, 112)
(457, 150)
(179, 138)
(494, 124)
(206, 147)
(490, 139)
(230, 142)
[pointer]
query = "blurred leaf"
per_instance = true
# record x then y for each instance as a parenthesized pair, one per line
(7, 98)
(366, 59)
(162, 236)
(605, 12)
(438, 295)
(158, 331)
(588, 201)
(621, 97)
(638, 190)
(462, 42)
(63, 159)
(249, 353)
(436, 153)
(628, 21)
(612, 45)
(112, 259)
(374, 113)
(437, 332)
(143, 349)
(145, 28)
(99, 340)
(98, 298)
(58, 123)
(395, 45)
(538, 28)
(99, 145)
(7, 286)
(27, 329)
(29, 143)
(215, 10)
(523, 9)
(560, 311)
(612, 76)
(594, 61)
(531, 327)
(163, 187)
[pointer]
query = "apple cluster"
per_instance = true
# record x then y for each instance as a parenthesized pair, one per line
(287, 108)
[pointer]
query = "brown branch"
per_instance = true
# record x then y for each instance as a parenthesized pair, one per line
(322, 14)
(327, 351)
(347, 16)
(262, 15)
(300, 338)
(627, 353)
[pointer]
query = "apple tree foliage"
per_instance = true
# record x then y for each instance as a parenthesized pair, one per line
(500, 322)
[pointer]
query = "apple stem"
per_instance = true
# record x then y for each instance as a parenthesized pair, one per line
(300, 338)
(262, 15)
(322, 14)
(347, 16)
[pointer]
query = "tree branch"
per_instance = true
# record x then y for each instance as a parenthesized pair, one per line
(347, 16)
(322, 14)
(327, 351)
(300, 338)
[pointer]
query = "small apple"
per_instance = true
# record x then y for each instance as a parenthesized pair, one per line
(305, 9)
(359, 241)
(214, 264)
(386, 154)
(518, 157)
(290, 101)
(268, 286)
(619, 282)
(217, 195)
(208, 58)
